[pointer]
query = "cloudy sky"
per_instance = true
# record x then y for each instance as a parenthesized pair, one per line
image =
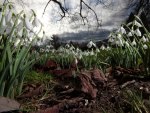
(111, 13)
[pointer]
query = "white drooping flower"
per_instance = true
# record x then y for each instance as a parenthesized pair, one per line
(108, 48)
(133, 43)
(97, 50)
(119, 36)
(90, 44)
(127, 44)
(143, 39)
(67, 46)
(137, 24)
(91, 53)
(17, 42)
(145, 46)
(80, 56)
(138, 32)
(102, 47)
(122, 30)
(8, 16)
(129, 34)
(119, 42)
(35, 22)
(28, 24)
(110, 40)
(3, 23)
(20, 33)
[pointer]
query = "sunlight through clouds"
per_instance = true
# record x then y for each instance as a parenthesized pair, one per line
(110, 12)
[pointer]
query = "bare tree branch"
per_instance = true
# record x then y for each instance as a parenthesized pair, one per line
(64, 10)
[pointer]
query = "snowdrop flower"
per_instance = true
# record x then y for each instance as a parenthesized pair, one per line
(119, 43)
(75, 60)
(127, 44)
(8, 16)
(78, 50)
(41, 50)
(143, 39)
(108, 48)
(28, 24)
(97, 50)
(102, 47)
(145, 46)
(90, 44)
(119, 36)
(17, 42)
(47, 50)
(86, 53)
(137, 24)
(110, 40)
(129, 34)
(72, 48)
(133, 43)
(122, 30)
(80, 56)
(137, 32)
(91, 53)
(67, 46)
(20, 33)
(35, 22)
(3, 23)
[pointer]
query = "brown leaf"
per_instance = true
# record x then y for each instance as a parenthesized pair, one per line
(51, 64)
(35, 92)
(98, 76)
(62, 72)
(87, 85)
(62, 105)
(7, 104)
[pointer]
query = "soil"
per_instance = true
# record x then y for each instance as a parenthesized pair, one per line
(88, 91)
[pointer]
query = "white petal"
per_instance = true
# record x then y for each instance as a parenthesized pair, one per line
(127, 44)
(28, 24)
(122, 30)
(143, 39)
(129, 34)
(3, 23)
(111, 40)
(102, 47)
(137, 32)
(90, 44)
(35, 22)
(20, 33)
(137, 24)
(8, 16)
(145, 46)
(133, 43)
(119, 36)
(17, 42)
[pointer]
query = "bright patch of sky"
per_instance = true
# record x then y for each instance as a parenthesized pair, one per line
(110, 12)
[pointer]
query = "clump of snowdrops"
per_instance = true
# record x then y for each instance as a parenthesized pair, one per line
(131, 43)
(17, 33)
(68, 54)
